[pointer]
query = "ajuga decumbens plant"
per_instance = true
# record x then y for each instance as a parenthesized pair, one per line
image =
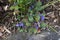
(30, 19)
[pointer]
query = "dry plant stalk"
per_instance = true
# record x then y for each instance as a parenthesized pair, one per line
(7, 30)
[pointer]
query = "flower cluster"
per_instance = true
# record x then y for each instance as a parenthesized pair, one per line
(42, 17)
(20, 24)
(36, 25)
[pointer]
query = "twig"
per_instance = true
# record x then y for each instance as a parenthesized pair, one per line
(49, 4)
(52, 28)
(7, 30)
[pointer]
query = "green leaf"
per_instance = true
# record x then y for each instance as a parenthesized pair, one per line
(25, 30)
(24, 20)
(20, 30)
(37, 18)
(16, 7)
(18, 17)
(20, 1)
(30, 18)
(59, 0)
(28, 24)
(44, 14)
(38, 6)
(43, 25)
(35, 31)
(12, 7)
(32, 30)
(14, 0)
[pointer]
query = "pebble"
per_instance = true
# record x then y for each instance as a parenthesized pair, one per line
(1, 34)
(59, 39)
(59, 33)
(56, 26)
(55, 20)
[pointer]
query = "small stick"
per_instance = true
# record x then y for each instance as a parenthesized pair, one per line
(7, 30)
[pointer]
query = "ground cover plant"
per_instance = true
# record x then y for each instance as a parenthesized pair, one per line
(26, 16)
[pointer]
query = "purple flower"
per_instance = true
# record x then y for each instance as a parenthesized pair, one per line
(42, 17)
(20, 24)
(36, 26)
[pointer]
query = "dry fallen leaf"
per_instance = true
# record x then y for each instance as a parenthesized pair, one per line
(5, 7)
(38, 31)
(1, 29)
(51, 14)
